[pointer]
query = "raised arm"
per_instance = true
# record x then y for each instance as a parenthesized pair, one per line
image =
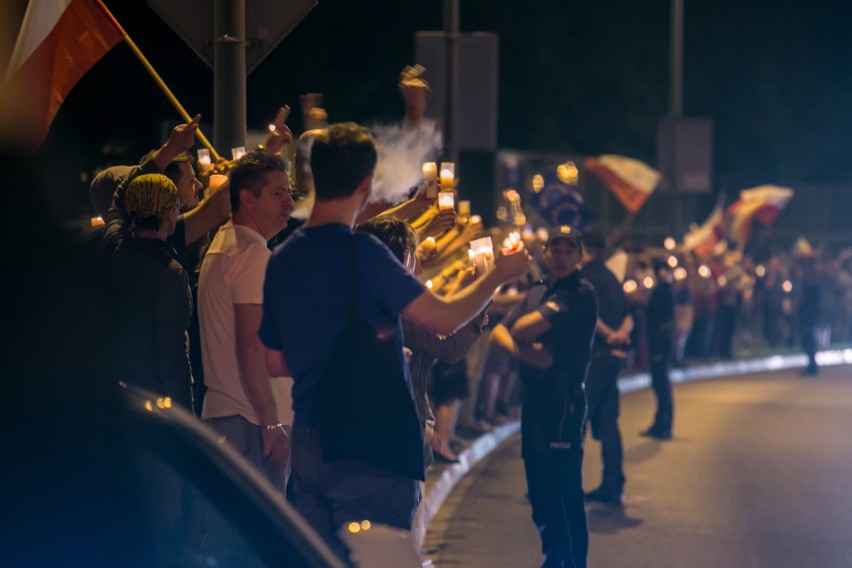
(412, 208)
(446, 316)
(180, 140)
(279, 134)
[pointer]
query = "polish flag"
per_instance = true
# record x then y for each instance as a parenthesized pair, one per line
(630, 180)
(59, 41)
(703, 239)
(763, 203)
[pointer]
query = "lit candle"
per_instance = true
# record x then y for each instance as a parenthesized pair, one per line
(475, 220)
(238, 152)
(448, 174)
(216, 181)
(446, 201)
(97, 221)
(204, 160)
(430, 174)
(428, 246)
(430, 171)
(482, 251)
(512, 243)
(464, 208)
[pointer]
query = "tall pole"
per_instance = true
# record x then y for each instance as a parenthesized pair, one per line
(451, 101)
(229, 74)
(676, 104)
(676, 64)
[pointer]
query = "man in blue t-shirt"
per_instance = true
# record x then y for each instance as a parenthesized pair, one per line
(306, 298)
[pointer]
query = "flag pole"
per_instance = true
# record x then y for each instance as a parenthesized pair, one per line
(158, 79)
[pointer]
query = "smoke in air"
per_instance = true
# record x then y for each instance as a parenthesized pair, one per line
(402, 151)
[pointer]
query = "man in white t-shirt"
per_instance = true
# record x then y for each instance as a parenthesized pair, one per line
(240, 403)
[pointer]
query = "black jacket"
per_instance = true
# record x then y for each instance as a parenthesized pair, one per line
(554, 400)
(152, 304)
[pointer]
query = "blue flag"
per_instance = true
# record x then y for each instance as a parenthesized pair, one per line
(561, 204)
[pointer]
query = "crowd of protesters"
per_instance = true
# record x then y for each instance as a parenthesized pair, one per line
(728, 304)
(297, 356)
(216, 300)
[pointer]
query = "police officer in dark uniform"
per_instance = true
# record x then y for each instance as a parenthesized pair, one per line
(661, 335)
(551, 333)
(608, 357)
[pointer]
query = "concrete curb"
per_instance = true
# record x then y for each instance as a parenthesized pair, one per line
(451, 475)
(724, 368)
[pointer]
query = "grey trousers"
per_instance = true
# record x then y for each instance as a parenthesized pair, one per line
(247, 439)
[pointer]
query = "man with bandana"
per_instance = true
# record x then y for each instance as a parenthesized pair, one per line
(152, 299)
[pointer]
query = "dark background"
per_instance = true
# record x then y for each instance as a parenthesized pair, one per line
(578, 77)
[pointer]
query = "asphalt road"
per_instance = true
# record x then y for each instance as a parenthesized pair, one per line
(759, 474)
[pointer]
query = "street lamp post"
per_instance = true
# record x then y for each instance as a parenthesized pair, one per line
(451, 100)
(676, 105)
(229, 75)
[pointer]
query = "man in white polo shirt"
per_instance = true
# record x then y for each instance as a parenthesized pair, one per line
(240, 403)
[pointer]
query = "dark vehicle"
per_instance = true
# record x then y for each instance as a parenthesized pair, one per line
(210, 508)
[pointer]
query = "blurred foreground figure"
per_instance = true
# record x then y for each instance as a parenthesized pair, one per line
(551, 333)
(69, 488)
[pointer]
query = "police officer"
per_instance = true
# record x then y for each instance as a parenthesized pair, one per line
(551, 333)
(661, 334)
(608, 357)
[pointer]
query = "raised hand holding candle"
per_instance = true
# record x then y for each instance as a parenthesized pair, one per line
(204, 161)
(446, 201)
(482, 252)
(512, 243)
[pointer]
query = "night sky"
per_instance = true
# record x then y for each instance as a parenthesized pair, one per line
(580, 77)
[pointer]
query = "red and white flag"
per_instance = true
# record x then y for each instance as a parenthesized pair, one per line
(763, 203)
(703, 239)
(630, 180)
(59, 41)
